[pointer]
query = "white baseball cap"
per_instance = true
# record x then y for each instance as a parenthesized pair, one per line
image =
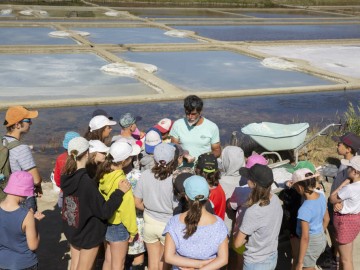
(121, 150)
(79, 144)
(100, 121)
(353, 162)
(98, 146)
(152, 139)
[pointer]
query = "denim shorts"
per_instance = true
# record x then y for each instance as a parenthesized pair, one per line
(116, 233)
(268, 264)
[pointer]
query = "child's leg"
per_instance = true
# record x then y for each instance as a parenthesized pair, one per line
(346, 259)
(107, 261)
(87, 258)
(139, 260)
(118, 252)
(75, 255)
(155, 252)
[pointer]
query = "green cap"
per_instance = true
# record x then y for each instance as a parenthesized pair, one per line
(303, 165)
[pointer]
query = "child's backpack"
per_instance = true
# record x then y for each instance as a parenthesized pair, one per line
(5, 169)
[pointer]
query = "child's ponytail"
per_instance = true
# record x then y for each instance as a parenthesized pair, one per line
(193, 215)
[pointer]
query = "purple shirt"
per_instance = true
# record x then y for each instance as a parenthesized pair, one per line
(203, 244)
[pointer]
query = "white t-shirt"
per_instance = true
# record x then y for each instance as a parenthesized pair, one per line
(350, 194)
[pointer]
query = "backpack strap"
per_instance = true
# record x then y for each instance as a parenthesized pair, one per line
(10, 145)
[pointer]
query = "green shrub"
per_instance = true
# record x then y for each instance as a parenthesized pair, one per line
(352, 119)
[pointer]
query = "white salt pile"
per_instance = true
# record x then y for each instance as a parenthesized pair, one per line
(119, 69)
(68, 33)
(178, 33)
(111, 13)
(278, 63)
(147, 67)
(5, 11)
(43, 12)
(27, 12)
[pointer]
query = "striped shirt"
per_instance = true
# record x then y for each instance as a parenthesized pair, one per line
(21, 158)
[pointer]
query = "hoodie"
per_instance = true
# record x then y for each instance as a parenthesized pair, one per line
(85, 211)
(126, 213)
(232, 160)
(147, 162)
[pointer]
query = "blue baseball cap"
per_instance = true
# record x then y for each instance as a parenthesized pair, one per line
(196, 186)
(68, 137)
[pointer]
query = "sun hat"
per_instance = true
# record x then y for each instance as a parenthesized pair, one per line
(121, 150)
(300, 175)
(354, 162)
(207, 163)
(98, 146)
(350, 139)
(68, 137)
(255, 159)
(258, 173)
(21, 183)
(301, 165)
(196, 185)
(164, 152)
(79, 144)
(100, 121)
(127, 119)
(152, 139)
(15, 114)
(101, 112)
(164, 125)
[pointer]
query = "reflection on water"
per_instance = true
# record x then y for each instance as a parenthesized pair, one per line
(25, 77)
(276, 32)
(30, 36)
(219, 70)
(230, 114)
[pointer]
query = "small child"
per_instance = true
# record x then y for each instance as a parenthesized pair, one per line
(19, 237)
(207, 167)
(346, 200)
(123, 221)
(312, 220)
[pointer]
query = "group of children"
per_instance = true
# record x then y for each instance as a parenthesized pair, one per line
(218, 212)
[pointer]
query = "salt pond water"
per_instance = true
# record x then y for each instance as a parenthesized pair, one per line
(131, 35)
(30, 36)
(276, 32)
(219, 70)
(26, 77)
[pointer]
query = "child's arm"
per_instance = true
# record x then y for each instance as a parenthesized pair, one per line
(221, 258)
(139, 204)
(326, 219)
(171, 257)
(304, 242)
(29, 226)
(240, 239)
(334, 198)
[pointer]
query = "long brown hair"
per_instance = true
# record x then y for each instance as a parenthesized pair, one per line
(95, 134)
(259, 195)
(70, 165)
(212, 177)
(193, 215)
(105, 167)
(162, 171)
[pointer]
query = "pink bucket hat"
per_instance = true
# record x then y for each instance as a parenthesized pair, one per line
(255, 159)
(20, 183)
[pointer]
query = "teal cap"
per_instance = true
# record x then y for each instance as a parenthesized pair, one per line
(196, 188)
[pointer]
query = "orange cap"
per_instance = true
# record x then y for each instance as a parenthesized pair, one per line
(17, 113)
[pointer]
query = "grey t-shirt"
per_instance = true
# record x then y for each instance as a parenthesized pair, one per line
(341, 176)
(262, 225)
(157, 195)
(21, 158)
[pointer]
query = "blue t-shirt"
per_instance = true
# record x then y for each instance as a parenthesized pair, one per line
(203, 244)
(312, 211)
